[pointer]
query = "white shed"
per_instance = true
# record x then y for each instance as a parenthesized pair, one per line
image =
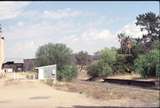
(47, 72)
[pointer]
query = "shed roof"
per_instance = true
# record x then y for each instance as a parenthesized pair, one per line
(48, 66)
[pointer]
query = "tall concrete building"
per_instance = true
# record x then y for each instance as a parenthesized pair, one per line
(1, 49)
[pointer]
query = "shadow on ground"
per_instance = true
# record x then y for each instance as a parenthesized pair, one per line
(78, 106)
(5, 101)
(39, 97)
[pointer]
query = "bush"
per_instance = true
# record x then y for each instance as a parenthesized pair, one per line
(67, 73)
(28, 76)
(148, 65)
(103, 67)
(158, 70)
(99, 69)
(108, 56)
(49, 82)
(120, 64)
(93, 69)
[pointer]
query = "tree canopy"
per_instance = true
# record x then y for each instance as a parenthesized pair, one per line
(82, 58)
(54, 54)
(149, 22)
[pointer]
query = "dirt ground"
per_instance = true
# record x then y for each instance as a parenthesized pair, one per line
(35, 94)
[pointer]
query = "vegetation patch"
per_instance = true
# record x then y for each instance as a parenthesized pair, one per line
(108, 91)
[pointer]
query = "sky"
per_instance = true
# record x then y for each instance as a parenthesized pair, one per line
(87, 26)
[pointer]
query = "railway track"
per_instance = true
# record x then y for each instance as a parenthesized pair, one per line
(137, 83)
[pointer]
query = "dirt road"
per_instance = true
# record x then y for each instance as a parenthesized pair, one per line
(35, 94)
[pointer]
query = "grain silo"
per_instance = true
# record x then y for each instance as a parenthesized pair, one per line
(1, 49)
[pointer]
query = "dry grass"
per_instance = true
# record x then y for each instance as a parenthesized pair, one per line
(19, 75)
(125, 76)
(106, 91)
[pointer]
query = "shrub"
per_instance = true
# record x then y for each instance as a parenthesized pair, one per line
(158, 70)
(108, 56)
(49, 82)
(30, 75)
(120, 64)
(93, 69)
(67, 73)
(99, 69)
(104, 66)
(148, 65)
(105, 69)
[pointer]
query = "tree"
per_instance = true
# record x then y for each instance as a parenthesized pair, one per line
(96, 55)
(54, 54)
(147, 62)
(131, 48)
(82, 59)
(127, 53)
(149, 22)
(59, 54)
(126, 43)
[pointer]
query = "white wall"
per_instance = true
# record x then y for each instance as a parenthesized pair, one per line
(8, 70)
(40, 74)
(47, 72)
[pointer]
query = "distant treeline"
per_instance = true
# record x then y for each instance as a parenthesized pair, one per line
(134, 55)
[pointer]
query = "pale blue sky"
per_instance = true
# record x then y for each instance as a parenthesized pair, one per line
(87, 26)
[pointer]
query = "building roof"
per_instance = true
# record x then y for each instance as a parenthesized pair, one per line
(48, 66)
(16, 60)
